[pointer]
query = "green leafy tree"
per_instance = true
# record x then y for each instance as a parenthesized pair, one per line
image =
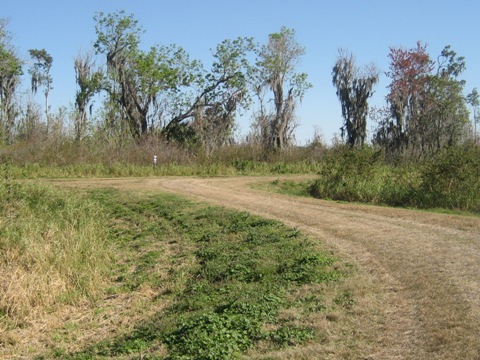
(10, 73)
(118, 37)
(162, 89)
(218, 96)
(277, 64)
(353, 90)
(138, 79)
(40, 76)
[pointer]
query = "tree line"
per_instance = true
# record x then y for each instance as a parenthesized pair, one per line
(425, 107)
(163, 92)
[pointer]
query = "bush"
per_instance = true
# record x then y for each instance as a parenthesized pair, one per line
(349, 175)
(400, 186)
(452, 179)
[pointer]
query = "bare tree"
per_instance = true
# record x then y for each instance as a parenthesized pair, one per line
(354, 88)
(89, 81)
(277, 63)
(40, 76)
(214, 125)
(473, 99)
(29, 123)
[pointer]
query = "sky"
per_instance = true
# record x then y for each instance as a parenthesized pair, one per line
(366, 28)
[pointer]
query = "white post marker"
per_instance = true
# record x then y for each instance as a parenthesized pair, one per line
(155, 161)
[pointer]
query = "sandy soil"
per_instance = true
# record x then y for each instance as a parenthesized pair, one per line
(418, 273)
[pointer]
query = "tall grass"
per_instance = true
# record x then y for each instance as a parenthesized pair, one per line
(36, 170)
(94, 158)
(53, 250)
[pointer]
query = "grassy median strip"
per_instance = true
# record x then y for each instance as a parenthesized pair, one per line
(187, 281)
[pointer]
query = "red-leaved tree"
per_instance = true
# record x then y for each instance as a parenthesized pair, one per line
(425, 108)
(409, 70)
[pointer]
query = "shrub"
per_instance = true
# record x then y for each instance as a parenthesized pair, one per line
(349, 175)
(451, 179)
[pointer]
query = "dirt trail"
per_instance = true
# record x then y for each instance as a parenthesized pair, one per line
(420, 272)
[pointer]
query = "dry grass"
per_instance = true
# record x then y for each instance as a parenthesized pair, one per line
(53, 262)
(72, 328)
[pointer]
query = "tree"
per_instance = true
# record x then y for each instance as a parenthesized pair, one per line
(40, 76)
(219, 95)
(29, 122)
(89, 81)
(277, 64)
(118, 37)
(426, 109)
(10, 73)
(444, 111)
(353, 90)
(162, 89)
(474, 100)
(409, 70)
(138, 79)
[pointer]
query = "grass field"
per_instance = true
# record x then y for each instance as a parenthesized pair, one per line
(112, 274)
(131, 273)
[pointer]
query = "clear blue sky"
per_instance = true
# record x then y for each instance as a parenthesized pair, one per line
(367, 28)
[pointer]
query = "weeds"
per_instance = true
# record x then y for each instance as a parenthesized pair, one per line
(288, 187)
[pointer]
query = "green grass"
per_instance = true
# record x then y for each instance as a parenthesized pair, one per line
(449, 181)
(287, 187)
(85, 170)
(226, 276)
